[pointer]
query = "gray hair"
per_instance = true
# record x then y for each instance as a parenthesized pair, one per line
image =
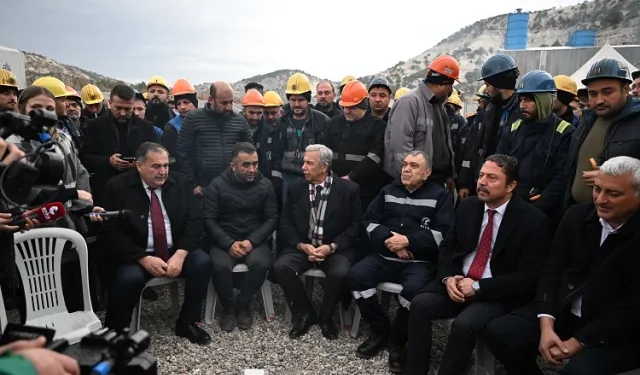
(146, 148)
(622, 166)
(326, 155)
(420, 153)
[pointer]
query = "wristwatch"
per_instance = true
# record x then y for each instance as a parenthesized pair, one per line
(333, 247)
(475, 286)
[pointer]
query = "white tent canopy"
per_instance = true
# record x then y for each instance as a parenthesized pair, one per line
(605, 51)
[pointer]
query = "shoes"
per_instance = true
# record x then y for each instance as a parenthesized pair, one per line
(302, 325)
(244, 316)
(228, 319)
(328, 327)
(149, 294)
(373, 345)
(192, 332)
(397, 359)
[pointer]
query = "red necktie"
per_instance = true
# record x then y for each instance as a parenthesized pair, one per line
(484, 249)
(157, 225)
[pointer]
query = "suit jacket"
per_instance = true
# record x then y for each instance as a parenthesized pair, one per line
(518, 253)
(341, 219)
(605, 276)
(128, 236)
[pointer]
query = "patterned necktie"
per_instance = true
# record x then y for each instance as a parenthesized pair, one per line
(484, 249)
(157, 225)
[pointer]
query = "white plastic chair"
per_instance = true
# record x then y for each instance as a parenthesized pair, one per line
(212, 298)
(39, 262)
(156, 281)
(3, 314)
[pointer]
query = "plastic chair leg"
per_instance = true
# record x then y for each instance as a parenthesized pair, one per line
(135, 319)
(267, 301)
(210, 306)
(356, 322)
(485, 358)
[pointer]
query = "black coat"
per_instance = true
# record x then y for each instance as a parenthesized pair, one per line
(605, 276)
(127, 237)
(518, 253)
(238, 211)
(342, 216)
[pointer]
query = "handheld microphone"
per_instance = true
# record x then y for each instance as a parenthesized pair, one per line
(47, 213)
(111, 214)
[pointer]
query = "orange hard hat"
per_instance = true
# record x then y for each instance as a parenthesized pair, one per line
(353, 93)
(253, 98)
(181, 87)
(446, 65)
(71, 93)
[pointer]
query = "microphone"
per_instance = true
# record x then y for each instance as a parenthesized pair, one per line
(111, 214)
(47, 213)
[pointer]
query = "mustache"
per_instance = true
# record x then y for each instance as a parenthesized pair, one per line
(482, 189)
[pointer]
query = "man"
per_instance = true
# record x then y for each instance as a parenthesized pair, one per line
(139, 105)
(471, 125)
(160, 238)
(540, 143)
(158, 111)
(326, 96)
(252, 106)
(452, 106)
(297, 129)
(380, 98)
(74, 108)
(500, 74)
(319, 229)
(636, 83)
(8, 91)
(489, 264)
(240, 214)
(207, 137)
(588, 304)
(610, 127)
(254, 86)
(405, 223)
(567, 92)
(583, 97)
(93, 103)
(418, 122)
(111, 141)
(186, 99)
(576, 107)
(266, 134)
(400, 92)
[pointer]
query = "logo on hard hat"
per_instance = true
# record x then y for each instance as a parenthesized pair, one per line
(294, 87)
(6, 66)
(448, 70)
(93, 96)
(11, 81)
(597, 70)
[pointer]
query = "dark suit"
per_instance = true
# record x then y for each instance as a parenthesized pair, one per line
(128, 238)
(516, 259)
(340, 226)
(604, 276)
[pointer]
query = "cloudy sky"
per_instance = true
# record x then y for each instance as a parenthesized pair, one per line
(217, 40)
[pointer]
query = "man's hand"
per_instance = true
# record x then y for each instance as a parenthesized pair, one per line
(246, 246)
(346, 177)
(451, 185)
(23, 344)
(96, 218)
(12, 151)
(307, 249)
(571, 348)
(405, 254)
(590, 177)
(85, 196)
(463, 193)
(175, 263)
(465, 287)
(48, 362)
(118, 163)
(5, 220)
(236, 250)
(396, 242)
(452, 288)
(549, 341)
(154, 265)
(320, 253)
(198, 191)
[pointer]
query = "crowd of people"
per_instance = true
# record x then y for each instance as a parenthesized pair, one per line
(519, 221)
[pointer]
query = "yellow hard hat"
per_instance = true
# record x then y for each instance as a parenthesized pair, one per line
(91, 94)
(566, 83)
(482, 93)
(145, 95)
(298, 84)
(455, 100)
(272, 99)
(401, 91)
(8, 79)
(455, 91)
(346, 80)
(57, 88)
(158, 80)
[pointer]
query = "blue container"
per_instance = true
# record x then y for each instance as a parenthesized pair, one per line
(517, 31)
(583, 38)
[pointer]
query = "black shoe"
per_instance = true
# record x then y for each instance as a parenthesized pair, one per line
(192, 332)
(244, 316)
(228, 319)
(328, 328)
(149, 294)
(302, 325)
(397, 359)
(372, 346)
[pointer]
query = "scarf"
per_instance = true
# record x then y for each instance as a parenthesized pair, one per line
(318, 209)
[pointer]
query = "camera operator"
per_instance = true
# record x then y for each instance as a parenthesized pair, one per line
(29, 357)
(8, 91)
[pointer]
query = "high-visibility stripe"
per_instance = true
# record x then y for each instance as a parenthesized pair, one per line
(374, 157)
(276, 174)
(562, 126)
(411, 202)
(516, 125)
(437, 236)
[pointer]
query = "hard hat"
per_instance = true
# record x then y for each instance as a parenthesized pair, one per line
(399, 92)
(253, 98)
(145, 95)
(346, 80)
(455, 100)
(272, 99)
(566, 83)
(158, 80)
(536, 81)
(91, 94)
(138, 96)
(446, 65)
(298, 84)
(380, 82)
(73, 94)
(57, 88)
(8, 79)
(497, 64)
(353, 94)
(182, 87)
(482, 92)
(607, 68)
(455, 91)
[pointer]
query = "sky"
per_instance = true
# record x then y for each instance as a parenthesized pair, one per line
(204, 41)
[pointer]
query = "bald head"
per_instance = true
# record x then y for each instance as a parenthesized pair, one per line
(221, 97)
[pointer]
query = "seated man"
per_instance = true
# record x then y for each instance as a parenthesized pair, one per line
(160, 238)
(319, 228)
(405, 222)
(588, 300)
(489, 264)
(240, 214)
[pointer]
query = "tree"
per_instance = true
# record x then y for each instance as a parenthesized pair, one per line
(613, 17)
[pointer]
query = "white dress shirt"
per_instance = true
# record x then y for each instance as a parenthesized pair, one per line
(167, 223)
(497, 220)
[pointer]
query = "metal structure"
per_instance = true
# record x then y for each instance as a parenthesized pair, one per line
(583, 38)
(517, 30)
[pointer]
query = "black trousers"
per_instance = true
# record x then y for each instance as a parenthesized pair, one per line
(258, 261)
(514, 340)
(287, 269)
(470, 321)
(131, 278)
(363, 278)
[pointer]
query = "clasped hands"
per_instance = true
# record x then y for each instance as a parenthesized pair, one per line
(398, 244)
(240, 249)
(316, 254)
(459, 288)
(159, 268)
(552, 348)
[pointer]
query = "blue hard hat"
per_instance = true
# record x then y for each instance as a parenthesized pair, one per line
(607, 68)
(379, 82)
(497, 64)
(536, 81)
